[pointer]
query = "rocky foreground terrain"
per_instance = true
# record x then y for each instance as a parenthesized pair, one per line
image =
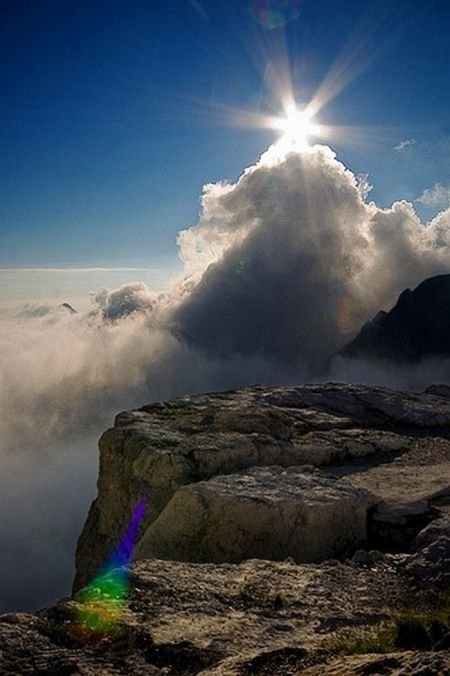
(300, 530)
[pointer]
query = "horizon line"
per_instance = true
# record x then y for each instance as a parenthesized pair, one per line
(81, 269)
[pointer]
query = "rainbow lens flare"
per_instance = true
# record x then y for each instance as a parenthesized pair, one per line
(276, 13)
(101, 603)
(343, 309)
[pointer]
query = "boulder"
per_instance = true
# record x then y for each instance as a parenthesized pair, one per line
(430, 562)
(436, 529)
(264, 512)
(403, 485)
(406, 495)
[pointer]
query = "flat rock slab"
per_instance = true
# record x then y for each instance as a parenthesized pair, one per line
(395, 664)
(264, 512)
(394, 483)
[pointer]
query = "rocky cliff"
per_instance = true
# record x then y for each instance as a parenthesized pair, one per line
(417, 326)
(236, 475)
(287, 528)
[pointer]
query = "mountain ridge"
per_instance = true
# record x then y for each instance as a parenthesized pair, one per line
(416, 327)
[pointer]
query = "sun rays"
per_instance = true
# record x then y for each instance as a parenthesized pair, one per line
(297, 127)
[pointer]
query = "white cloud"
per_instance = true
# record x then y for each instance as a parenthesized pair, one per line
(281, 267)
(292, 256)
(127, 299)
(403, 145)
(437, 197)
(364, 185)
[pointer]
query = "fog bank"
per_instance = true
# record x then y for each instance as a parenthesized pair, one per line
(281, 270)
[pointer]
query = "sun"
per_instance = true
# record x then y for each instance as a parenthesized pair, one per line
(297, 126)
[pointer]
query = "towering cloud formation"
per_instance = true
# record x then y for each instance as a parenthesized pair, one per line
(297, 258)
(124, 301)
(282, 269)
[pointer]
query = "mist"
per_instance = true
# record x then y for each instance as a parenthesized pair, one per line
(280, 271)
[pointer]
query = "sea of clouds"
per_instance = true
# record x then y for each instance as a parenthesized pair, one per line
(281, 270)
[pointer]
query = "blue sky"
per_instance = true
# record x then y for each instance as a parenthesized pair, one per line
(113, 113)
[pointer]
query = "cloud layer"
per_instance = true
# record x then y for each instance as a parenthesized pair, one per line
(298, 258)
(283, 266)
(437, 197)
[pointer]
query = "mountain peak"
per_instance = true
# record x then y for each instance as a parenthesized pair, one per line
(417, 326)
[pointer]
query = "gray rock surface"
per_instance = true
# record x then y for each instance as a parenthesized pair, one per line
(226, 478)
(161, 447)
(436, 529)
(264, 512)
(226, 619)
(395, 664)
(430, 562)
(405, 485)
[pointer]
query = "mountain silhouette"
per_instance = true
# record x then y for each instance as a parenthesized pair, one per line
(417, 326)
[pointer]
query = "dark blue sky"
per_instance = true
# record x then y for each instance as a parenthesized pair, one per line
(112, 112)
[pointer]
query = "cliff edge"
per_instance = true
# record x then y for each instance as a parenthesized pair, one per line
(254, 473)
(301, 530)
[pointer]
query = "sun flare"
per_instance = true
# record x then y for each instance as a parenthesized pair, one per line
(297, 126)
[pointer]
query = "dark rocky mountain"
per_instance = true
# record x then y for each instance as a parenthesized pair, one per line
(417, 326)
(70, 308)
